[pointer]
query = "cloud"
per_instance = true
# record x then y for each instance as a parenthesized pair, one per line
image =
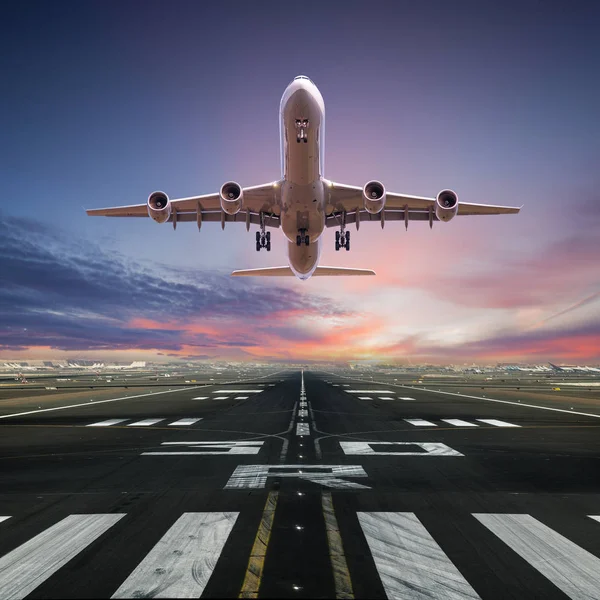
(68, 294)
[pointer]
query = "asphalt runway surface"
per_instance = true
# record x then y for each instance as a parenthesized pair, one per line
(294, 485)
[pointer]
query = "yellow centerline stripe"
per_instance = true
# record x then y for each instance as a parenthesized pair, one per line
(341, 575)
(256, 563)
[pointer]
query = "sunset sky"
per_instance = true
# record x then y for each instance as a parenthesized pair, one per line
(104, 102)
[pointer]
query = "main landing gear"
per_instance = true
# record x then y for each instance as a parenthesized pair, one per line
(342, 240)
(302, 238)
(301, 127)
(263, 239)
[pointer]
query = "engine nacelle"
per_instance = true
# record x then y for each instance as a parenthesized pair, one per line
(232, 197)
(159, 207)
(374, 197)
(446, 205)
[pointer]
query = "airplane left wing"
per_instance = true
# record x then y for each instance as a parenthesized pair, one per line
(256, 200)
(349, 199)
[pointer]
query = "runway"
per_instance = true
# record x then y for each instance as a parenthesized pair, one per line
(298, 484)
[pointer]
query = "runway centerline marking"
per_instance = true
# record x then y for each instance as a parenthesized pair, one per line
(302, 429)
(32, 563)
(96, 402)
(181, 563)
(410, 562)
(570, 568)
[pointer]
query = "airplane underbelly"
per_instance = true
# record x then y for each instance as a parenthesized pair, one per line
(302, 209)
(304, 259)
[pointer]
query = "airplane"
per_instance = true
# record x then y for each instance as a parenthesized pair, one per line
(302, 202)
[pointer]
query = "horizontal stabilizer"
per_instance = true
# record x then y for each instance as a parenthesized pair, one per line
(287, 272)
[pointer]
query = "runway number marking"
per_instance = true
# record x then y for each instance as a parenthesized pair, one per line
(210, 448)
(429, 449)
(255, 476)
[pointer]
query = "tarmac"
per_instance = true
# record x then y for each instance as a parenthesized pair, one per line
(299, 484)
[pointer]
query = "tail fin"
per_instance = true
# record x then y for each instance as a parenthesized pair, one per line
(287, 272)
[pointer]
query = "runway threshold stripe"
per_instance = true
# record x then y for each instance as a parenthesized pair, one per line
(369, 391)
(4, 518)
(410, 562)
(201, 398)
(460, 423)
(595, 517)
(184, 422)
(145, 423)
(32, 563)
(181, 563)
(256, 562)
(570, 568)
(238, 391)
(420, 423)
(497, 423)
(107, 423)
(339, 566)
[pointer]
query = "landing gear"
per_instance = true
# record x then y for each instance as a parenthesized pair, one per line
(303, 238)
(342, 237)
(301, 127)
(263, 239)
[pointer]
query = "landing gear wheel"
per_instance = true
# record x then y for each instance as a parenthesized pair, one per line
(306, 140)
(298, 240)
(306, 240)
(257, 237)
(268, 234)
(337, 245)
(347, 236)
(268, 246)
(347, 245)
(258, 246)
(298, 140)
(337, 236)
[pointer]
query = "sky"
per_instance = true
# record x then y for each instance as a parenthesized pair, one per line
(105, 102)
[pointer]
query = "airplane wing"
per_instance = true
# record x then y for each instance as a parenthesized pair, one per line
(207, 208)
(287, 272)
(398, 207)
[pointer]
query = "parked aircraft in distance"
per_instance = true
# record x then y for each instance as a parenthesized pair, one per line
(302, 202)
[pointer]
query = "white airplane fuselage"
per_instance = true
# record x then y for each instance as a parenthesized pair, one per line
(303, 198)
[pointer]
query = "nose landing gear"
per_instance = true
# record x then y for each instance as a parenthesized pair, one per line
(301, 127)
(303, 238)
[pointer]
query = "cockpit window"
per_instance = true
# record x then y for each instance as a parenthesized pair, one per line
(301, 77)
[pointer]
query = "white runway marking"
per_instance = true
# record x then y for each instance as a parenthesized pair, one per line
(107, 423)
(145, 423)
(369, 391)
(201, 398)
(460, 423)
(184, 422)
(181, 564)
(4, 518)
(562, 410)
(420, 423)
(385, 398)
(237, 391)
(303, 412)
(407, 398)
(497, 423)
(210, 448)
(220, 398)
(596, 518)
(42, 410)
(411, 564)
(365, 449)
(242, 398)
(365, 398)
(255, 476)
(302, 429)
(570, 568)
(29, 565)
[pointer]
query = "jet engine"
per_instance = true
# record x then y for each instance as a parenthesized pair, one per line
(374, 197)
(446, 205)
(232, 197)
(159, 207)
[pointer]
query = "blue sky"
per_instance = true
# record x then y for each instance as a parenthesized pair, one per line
(104, 102)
